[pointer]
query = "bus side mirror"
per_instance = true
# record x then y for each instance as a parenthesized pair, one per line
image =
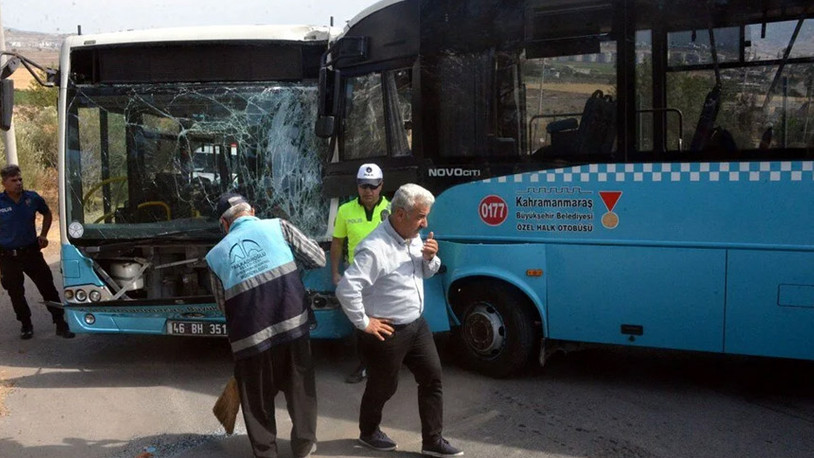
(329, 90)
(6, 103)
(325, 87)
(325, 127)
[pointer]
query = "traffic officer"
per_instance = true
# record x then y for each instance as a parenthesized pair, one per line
(354, 221)
(20, 251)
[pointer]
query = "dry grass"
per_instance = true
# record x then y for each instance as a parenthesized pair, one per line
(22, 79)
(573, 88)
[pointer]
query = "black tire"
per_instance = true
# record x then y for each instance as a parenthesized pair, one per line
(498, 332)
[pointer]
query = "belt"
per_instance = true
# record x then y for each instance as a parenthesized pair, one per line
(19, 251)
(399, 327)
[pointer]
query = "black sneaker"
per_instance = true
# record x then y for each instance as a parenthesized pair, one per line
(26, 332)
(440, 448)
(64, 331)
(357, 376)
(378, 441)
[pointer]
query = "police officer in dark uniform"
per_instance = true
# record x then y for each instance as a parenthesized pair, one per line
(20, 251)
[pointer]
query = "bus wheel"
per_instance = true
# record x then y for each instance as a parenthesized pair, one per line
(497, 332)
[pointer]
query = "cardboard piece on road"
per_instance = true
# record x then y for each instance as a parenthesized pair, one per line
(227, 406)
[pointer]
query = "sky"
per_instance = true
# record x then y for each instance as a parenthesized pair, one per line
(63, 16)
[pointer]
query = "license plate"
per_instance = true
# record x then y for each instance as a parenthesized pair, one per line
(196, 328)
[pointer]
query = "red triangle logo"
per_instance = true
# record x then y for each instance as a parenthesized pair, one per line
(610, 198)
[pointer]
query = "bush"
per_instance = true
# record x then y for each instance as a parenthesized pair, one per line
(35, 176)
(35, 125)
(40, 96)
(36, 130)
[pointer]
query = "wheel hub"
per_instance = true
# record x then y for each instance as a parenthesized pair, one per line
(484, 331)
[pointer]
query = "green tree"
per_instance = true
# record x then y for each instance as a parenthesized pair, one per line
(35, 125)
(41, 96)
(36, 129)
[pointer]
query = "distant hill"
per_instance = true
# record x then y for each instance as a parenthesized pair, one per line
(26, 43)
(33, 41)
(42, 48)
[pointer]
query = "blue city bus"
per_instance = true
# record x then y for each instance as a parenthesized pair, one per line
(153, 126)
(628, 172)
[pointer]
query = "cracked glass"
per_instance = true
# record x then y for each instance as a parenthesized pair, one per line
(147, 161)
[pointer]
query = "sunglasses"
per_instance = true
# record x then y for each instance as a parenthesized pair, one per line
(369, 186)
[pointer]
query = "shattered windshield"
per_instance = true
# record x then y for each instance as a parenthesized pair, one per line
(146, 161)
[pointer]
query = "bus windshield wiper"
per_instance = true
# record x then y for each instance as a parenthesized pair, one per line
(188, 231)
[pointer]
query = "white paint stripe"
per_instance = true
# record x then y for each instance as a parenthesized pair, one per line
(673, 172)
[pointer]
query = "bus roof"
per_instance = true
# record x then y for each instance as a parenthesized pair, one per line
(685, 9)
(206, 33)
(370, 10)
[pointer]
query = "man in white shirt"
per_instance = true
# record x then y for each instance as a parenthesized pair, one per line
(382, 293)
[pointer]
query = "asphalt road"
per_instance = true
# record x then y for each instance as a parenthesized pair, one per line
(128, 396)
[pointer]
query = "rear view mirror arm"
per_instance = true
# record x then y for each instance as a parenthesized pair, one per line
(17, 59)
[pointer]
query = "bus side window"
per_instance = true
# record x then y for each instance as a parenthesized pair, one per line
(597, 129)
(706, 121)
(592, 136)
(571, 93)
(398, 111)
(364, 133)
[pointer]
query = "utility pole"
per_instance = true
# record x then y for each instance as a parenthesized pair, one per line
(8, 136)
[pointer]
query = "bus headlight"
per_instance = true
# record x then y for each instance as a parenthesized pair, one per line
(95, 296)
(68, 294)
(81, 295)
(90, 319)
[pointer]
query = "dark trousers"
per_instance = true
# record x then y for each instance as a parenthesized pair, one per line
(12, 270)
(413, 346)
(288, 368)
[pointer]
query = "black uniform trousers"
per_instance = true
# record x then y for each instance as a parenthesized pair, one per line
(288, 368)
(413, 346)
(29, 262)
